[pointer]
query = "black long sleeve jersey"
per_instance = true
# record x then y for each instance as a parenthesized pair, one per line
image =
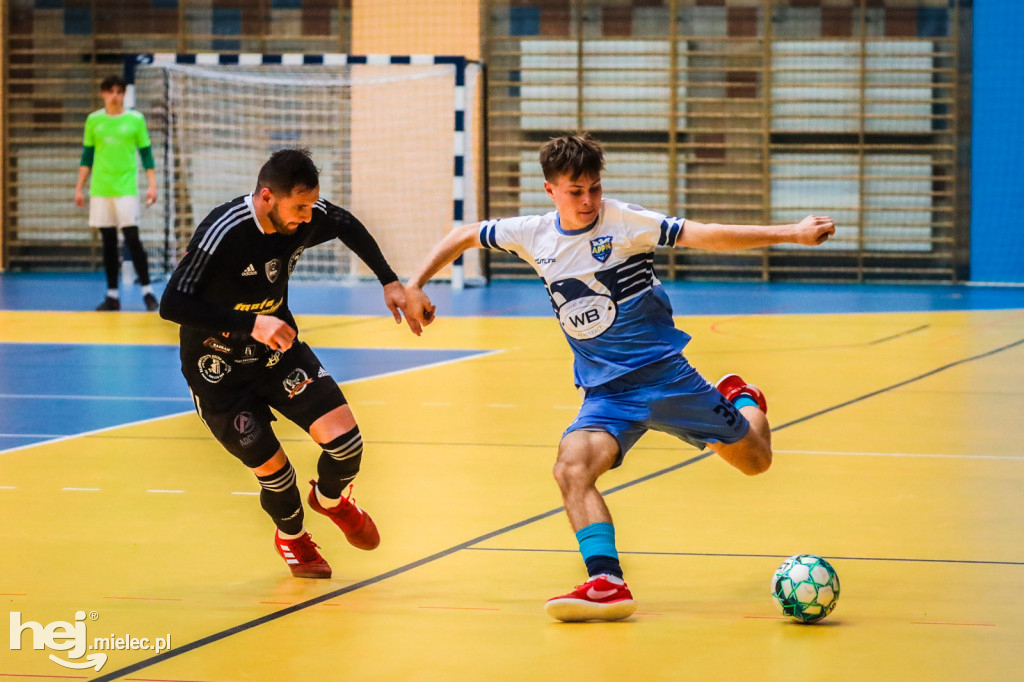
(233, 271)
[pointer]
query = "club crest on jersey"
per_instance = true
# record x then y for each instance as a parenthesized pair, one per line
(213, 368)
(296, 382)
(294, 259)
(601, 248)
(273, 269)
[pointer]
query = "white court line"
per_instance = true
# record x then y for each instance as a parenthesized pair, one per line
(8, 487)
(133, 398)
(245, 493)
(179, 414)
(92, 490)
(500, 405)
(30, 435)
(899, 454)
(165, 491)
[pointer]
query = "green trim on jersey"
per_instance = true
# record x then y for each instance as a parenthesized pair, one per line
(115, 163)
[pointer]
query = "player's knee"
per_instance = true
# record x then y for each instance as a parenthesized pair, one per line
(339, 462)
(572, 471)
(758, 459)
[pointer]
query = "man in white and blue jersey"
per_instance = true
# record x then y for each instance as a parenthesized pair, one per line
(596, 257)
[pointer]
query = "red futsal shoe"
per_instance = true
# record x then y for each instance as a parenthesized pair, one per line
(732, 387)
(358, 527)
(302, 556)
(597, 599)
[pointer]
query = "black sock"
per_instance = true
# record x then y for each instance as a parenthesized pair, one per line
(598, 564)
(280, 498)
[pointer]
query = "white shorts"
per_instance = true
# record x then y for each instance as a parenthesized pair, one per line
(113, 211)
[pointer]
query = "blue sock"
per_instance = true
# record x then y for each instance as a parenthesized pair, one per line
(597, 545)
(745, 401)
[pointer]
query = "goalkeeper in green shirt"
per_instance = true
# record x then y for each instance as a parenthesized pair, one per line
(112, 136)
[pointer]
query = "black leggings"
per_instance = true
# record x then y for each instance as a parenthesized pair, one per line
(112, 259)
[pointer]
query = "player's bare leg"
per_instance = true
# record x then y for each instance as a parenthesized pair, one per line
(338, 434)
(753, 454)
(583, 456)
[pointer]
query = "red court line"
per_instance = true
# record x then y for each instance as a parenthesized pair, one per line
(149, 598)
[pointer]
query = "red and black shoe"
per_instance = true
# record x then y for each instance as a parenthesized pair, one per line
(603, 597)
(356, 524)
(732, 386)
(302, 556)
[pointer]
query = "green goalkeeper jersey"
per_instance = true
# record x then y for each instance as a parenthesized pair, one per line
(115, 140)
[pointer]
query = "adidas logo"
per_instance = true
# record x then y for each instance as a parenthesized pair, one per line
(322, 373)
(249, 271)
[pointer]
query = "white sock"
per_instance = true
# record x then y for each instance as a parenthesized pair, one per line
(326, 502)
(147, 289)
(285, 536)
(113, 293)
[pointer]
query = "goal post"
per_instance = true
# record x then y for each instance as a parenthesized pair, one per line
(392, 135)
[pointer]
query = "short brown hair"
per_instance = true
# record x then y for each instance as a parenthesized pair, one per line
(572, 155)
(287, 170)
(111, 82)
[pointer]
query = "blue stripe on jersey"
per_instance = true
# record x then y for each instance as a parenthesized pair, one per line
(670, 228)
(488, 240)
(673, 235)
(630, 278)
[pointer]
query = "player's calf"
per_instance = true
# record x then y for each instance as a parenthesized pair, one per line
(338, 465)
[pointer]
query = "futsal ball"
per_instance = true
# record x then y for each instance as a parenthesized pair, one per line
(806, 587)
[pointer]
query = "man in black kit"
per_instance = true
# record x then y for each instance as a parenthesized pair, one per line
(240, 354)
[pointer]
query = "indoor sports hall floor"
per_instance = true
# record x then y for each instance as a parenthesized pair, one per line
(899, 457)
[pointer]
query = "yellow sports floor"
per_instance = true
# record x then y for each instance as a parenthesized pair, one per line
(899, 456)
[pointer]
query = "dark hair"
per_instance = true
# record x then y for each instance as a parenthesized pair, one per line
(111, 82)
(288, 169)
(572, 155)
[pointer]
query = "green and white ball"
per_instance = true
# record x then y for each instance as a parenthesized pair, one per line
(806, 587)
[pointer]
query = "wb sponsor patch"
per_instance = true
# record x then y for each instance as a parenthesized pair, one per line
(587, 317)
(601, 248)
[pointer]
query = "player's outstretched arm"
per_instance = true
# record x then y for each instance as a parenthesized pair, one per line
(811, 231)
(419, 309)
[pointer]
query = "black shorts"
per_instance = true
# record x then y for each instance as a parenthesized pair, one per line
(234, 399)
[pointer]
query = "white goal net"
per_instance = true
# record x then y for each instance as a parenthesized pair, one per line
(391, 143)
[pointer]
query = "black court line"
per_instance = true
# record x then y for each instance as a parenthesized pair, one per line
(270, 617)
(736, 555)
(898, 335)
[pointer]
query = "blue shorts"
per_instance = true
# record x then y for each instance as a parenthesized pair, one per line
(668, 396)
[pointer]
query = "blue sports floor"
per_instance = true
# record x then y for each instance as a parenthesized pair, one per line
(102, 386)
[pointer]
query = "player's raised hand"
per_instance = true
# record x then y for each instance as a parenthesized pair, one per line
(274, 332)
(419, 311)
(814, 230)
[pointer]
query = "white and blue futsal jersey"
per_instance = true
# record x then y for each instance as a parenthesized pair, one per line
(612, 308)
